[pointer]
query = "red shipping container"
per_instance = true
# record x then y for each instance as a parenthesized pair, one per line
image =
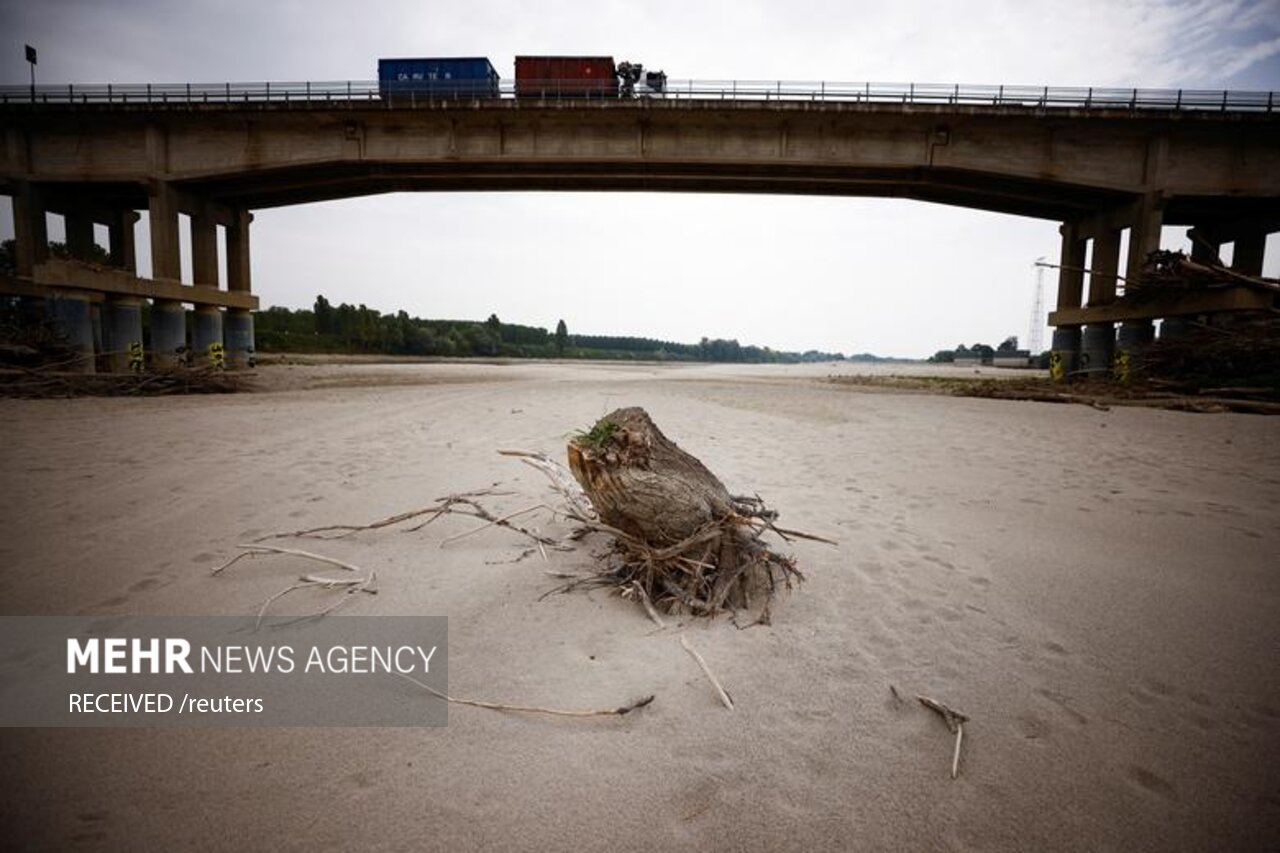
(565, 76)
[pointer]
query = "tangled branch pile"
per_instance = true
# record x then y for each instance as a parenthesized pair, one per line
(46, 382)
(680, 539)
(1241, 353)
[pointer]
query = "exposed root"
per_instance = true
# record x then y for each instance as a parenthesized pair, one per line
(348, 586)
(705, 558)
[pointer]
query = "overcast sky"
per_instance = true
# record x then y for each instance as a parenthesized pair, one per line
(888, 276)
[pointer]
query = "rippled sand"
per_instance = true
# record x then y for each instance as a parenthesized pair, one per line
(1098, 591)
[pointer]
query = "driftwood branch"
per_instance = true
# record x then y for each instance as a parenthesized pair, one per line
(349, 586)
(531, 709)
(706, 670)
(955, 724)
(252, 547)
(339, 531)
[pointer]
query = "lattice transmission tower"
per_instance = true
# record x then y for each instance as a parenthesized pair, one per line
(1035, 340)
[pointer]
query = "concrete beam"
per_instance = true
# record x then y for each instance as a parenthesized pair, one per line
(1157, 305)
(59, 275)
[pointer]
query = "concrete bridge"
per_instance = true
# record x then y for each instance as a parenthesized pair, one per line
(1099, 162)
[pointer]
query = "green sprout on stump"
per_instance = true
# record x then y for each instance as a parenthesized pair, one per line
(596, 437)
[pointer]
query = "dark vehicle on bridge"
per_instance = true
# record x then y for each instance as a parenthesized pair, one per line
(566, 77)
(438, 77)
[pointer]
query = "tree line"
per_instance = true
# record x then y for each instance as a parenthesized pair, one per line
(359, 329)
(985, 352)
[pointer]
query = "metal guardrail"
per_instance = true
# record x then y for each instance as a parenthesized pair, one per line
(322, 93)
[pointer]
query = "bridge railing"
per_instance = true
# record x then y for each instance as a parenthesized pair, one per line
(422, 93)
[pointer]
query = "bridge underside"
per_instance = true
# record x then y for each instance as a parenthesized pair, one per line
(1101, 176)
(997, 193)
(993, 193)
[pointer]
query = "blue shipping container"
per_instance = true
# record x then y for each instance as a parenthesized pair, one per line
(467, 77)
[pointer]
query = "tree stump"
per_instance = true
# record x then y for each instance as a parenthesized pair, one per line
(681, 539)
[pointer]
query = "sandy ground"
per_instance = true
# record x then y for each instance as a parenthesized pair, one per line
(1098, 591)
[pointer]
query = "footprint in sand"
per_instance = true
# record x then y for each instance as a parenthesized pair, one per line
(147, 583)
(1063, 703)
(1032, 727)
(1148, 781)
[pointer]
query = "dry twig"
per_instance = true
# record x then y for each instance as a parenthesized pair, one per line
(530, 709)
(955, 723)
(349, 586)
(706, 670)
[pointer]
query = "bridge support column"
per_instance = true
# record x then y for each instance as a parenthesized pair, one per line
(206, 337)
(73, 316)
(33, 311)
(1249, 253)
(1174, 328)
(168, 318)
(1144, 233)
(1065, 351)
(239, 339)
(1205, 246)
(124, 334)
(240, 342)
(1103, 268)
(204, 250)
(168, 333)
(120, 234)
(1097, 346)
(101, 364)
(79, 228)
(1134, 336)
(31, 236)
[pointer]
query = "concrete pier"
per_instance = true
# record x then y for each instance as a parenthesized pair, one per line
(168, 333)
(239, 339)
(1064, 355)
(1133, 337)
(124, 335)
(99, 337)
(33, 311)
(1174, 328)
(206, 337)
(73, 316)
(1097, 346)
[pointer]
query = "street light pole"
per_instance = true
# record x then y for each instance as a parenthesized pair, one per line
(31, 57)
